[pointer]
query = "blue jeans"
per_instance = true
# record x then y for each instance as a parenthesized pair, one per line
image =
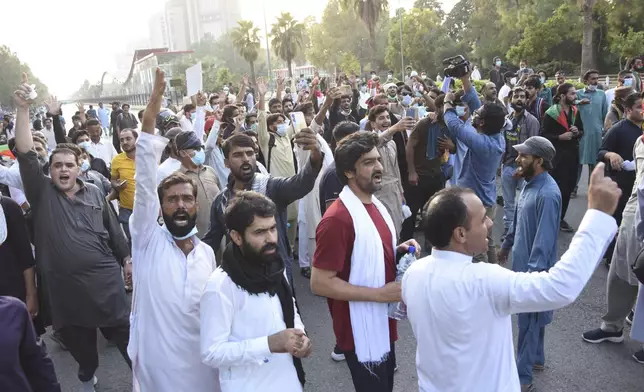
(529, 346)
(509, 187)
(124, 220)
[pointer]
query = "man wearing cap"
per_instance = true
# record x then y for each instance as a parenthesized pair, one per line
(533, 240)
(190, 152)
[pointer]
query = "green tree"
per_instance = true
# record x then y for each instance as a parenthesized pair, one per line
(630, 44)
(350, 64)
(370, 12)
(11, 72)
(245, 38)
(433, 5)
(289, 37)
(422, 28)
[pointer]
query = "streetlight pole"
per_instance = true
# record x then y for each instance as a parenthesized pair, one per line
(402, 57)
(268, 48)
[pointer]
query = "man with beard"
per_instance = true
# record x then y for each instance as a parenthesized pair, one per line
(524, 126)
(560, 77)
(122, 174)
(80, 249)
(354, 265)
(346, 108)
(287, 104)
(126, 120)
(533, 240)
(240, 158)
(171, 269)
(562, 125)
(535, 105)
(251, 327)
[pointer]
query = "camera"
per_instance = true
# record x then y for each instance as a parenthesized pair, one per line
(457, 66)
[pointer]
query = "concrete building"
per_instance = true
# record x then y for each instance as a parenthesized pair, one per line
(185, 22)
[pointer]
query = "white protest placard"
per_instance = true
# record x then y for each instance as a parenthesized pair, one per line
(194, 79)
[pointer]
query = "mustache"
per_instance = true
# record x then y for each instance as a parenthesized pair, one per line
(376, 173)
(269, 247)
(180, 215)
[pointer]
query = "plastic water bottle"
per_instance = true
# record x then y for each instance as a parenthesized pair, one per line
(398, 310)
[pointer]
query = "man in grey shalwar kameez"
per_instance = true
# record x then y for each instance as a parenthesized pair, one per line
(80, 249)
(533, 240)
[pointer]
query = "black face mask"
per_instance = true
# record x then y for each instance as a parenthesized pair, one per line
(179, 231)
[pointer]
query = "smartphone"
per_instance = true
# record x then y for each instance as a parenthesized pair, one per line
(412, 112)
(120, 183)
(298, 121)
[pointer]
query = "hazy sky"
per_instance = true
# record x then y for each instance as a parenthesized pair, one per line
(67, 41)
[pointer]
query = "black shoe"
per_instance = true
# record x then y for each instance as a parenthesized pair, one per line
(607, 262)
(500, 201)
(639, 356)
(58, 340)
(573, 194)
(598, 336)
(565, 227)
(629, 318)
(306, 272)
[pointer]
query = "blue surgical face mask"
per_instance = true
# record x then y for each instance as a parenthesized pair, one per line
(498, 63)
(281, 129)
(628, 82)
(543, 80)
(84, 145)
(85, 166)
(407, 99)
(460, 111)
(199, 158)
(194, 231)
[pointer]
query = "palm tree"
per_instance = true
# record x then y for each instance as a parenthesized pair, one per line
(245, 38)
(370, 12)
(288, 37)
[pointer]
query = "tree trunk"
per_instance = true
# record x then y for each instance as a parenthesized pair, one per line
(253, 78)
(588, 60)
(289, 64)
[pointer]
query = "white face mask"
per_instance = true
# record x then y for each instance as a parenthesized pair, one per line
(592, 87)
(281, 129)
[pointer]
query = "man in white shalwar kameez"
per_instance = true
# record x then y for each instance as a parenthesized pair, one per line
(170, 269)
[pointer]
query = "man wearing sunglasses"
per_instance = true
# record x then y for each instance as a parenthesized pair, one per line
(192, 156)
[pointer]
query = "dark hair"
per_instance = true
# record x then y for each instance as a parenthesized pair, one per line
(189, 107)
(140, 114)
(344, 129)
(590, 72)
(631, 100)
(304, 107)
(516, 90)
(272, 118)
(227, 115)
(244, 207)
(237, 140)
(375, 111)
(92, 122)
(623, 73)
(494, 117)
(250, 115)
(66, 148)
(273, 101)
(134, 132)
(543, 72)
(445, 213)
(124, 105)
(173, 179)
(404, 87)
(562, 90)
(78, 134)
(214, 96)
(76, 118)
(286, 99)
(349, 151)
(533, 81)
(508, 75)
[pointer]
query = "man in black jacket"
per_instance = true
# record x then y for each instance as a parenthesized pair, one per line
(240, 157)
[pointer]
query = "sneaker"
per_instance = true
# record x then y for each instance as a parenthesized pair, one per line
(528, 388)
(629, 318)
(539, 368)
(565, 227)
(639, 356)
(396, 369)
(599, 336)
(56, 338)
(306, 272)
(337, 355)
(88, 386)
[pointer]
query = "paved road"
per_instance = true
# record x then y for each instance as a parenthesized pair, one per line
(572, 365)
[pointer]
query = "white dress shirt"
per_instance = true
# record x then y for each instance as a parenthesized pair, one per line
(186, 124)
(164, 330)
(168, 167)
(460, 311)
(235, 326)
(51, 138)
(105, 151)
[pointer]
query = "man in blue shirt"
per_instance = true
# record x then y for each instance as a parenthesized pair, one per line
(485, 147)
(533, 241)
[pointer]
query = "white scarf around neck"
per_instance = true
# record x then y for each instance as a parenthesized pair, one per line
(369, 320)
